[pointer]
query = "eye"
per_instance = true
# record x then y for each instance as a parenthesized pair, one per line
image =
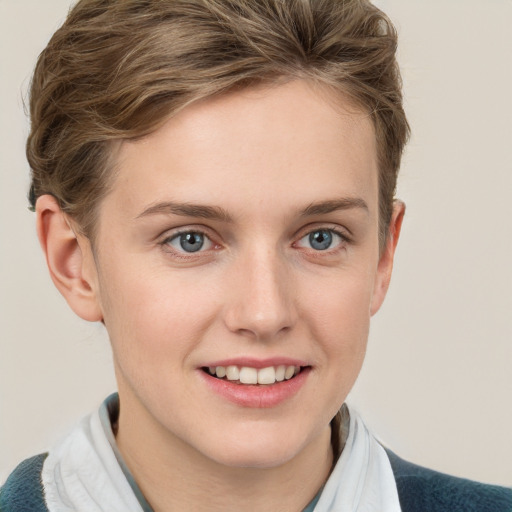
(321, 239)
(189, 241)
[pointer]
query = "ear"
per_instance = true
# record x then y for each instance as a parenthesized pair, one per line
(385, 266)
(69, 258)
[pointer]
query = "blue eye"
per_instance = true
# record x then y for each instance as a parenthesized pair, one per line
(190, 241)
(321, 239)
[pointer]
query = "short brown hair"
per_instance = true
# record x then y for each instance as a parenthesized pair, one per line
(118, 69)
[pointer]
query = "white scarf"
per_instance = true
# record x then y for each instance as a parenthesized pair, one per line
(82, 473)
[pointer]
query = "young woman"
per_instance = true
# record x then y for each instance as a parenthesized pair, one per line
(214, 181)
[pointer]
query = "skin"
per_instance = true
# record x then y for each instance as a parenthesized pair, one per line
(259, 159)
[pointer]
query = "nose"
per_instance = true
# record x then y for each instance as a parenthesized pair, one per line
(261, 301)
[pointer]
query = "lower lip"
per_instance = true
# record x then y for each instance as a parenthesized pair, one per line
(257, 396)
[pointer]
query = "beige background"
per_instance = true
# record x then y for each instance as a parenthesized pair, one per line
(437, 383)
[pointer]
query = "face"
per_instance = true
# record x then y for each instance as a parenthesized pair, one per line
(242, 238)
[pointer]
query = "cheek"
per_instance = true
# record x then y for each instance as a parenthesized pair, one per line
(149, 315)
(341, 304)
(340, 318)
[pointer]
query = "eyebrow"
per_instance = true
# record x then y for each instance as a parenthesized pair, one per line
(324, 207)
(219, 214)
(187, 210)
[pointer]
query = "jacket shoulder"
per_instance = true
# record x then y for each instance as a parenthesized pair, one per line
(23, 489)
(422, 490)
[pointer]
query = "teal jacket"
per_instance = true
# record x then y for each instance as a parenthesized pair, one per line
(419, 490)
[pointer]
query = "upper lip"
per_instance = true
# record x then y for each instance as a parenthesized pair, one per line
(252, 362)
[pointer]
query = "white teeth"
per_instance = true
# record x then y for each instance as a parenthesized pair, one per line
(248, 375)
(232, 373)
(289, 373)
(267, 375)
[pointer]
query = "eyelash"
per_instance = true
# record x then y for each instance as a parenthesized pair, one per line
(166, 242)
(343, 239)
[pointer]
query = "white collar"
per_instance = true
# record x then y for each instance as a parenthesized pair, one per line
(85, 472)
(362, 480)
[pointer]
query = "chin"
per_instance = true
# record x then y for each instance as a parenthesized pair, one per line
(255, 459)
(257, 450)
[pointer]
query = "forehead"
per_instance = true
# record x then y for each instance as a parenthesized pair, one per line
(292, 143)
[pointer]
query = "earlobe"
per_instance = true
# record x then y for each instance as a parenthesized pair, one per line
(69, 259)
(385, 267)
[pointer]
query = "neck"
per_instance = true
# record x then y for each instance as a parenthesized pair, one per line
(174, 476)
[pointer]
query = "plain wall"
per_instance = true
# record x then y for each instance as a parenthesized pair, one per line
(437, 382)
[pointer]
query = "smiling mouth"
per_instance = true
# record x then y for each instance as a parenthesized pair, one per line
(248, 375)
